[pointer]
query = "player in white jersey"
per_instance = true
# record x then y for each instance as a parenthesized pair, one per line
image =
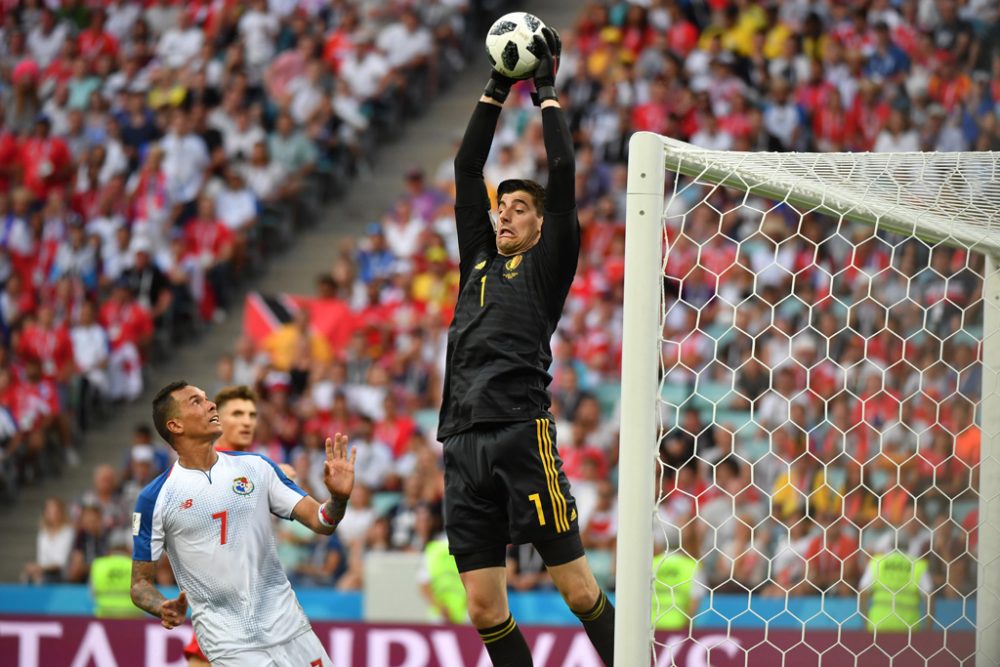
(237, 407)
(211, 512)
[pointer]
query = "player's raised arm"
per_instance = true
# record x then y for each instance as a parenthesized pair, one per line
(338, 476)
(472, 203)
(560, 195)
(560, 234)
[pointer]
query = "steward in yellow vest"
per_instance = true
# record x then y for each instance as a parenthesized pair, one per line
(443, 586)
(110, 581)
(897, 585)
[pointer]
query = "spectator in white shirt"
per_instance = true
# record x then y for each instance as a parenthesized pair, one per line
(180, 43)
(240, 139)
(118, 258)
(265, 176)
(236, 207)
(897, 136)
(258, 29)
(45, 40)
(406, 43)
(122, 15)
(366, 70)
(710, 136)
(76, 257)
(403, 229)
(162, 16)
(91, 348)
(236, 203)
(54, 544)
(306, 95)
(782, 118)
(105, 225)
(185, 158)
(374, 462)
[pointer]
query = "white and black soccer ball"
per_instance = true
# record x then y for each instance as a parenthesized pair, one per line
(509, 44)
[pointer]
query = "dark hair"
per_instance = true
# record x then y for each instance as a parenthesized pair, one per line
(144, 430)
(534, 189)
(233, 393)
(164, 407)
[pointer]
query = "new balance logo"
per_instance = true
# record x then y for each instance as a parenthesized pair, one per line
(186, 505)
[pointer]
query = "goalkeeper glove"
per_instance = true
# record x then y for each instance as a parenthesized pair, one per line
(498, 87)
(546, 48)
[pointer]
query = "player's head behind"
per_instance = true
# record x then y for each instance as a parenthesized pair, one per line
(183, 414)
(520, 213)
(237, 407)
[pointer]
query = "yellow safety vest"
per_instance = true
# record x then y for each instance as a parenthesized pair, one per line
(445, 581)
(895, 594)
(672, 591)
(110, 584)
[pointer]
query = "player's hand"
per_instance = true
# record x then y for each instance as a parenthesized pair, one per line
(173, 612)
(499, 85)
(338, 471)
(546, 48)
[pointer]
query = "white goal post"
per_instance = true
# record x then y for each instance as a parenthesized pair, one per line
(948, 200)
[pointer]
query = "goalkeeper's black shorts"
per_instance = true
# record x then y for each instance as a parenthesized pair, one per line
(504, 485)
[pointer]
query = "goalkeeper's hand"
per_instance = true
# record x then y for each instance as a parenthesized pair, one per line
(546, 48)
(498, 87)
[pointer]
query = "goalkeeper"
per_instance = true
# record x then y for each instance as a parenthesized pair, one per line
(503, 477)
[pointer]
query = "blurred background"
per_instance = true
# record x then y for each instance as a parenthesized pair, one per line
(261, 193)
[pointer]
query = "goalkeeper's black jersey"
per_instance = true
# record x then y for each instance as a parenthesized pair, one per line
(508, 307)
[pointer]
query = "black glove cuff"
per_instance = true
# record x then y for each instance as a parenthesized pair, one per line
(496, 90)
(544, 93)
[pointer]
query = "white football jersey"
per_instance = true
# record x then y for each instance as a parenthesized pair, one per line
(216, 529)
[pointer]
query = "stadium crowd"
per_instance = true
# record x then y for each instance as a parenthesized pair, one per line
(830, 458)
(153, 156)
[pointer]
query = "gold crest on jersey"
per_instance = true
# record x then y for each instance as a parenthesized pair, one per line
(511, 267)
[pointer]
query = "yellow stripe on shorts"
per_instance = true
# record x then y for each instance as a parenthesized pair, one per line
(545, 451)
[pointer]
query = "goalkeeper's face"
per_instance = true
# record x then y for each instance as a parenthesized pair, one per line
(518, 223)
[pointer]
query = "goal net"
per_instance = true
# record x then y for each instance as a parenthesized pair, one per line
(808, 472)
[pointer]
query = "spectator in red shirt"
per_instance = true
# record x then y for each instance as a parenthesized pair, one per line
(601, 529)
(49, 343)
(578, 450)
(829, 124)
(46, 162)
(211, 241)
(396, 426)
(682, 35)
(833, 558)
(654, 115)
(10, 150)
(130, 330)
(95, 41)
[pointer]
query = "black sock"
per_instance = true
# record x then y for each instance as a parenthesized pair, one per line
(599, 622)
(505, 644)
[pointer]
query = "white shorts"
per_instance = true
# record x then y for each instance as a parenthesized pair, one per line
(303, 651)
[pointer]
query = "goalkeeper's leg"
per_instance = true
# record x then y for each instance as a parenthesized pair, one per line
(486, 590)
(579, 589)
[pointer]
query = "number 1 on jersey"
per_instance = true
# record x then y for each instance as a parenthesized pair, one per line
(221, 516)
(482, 291)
